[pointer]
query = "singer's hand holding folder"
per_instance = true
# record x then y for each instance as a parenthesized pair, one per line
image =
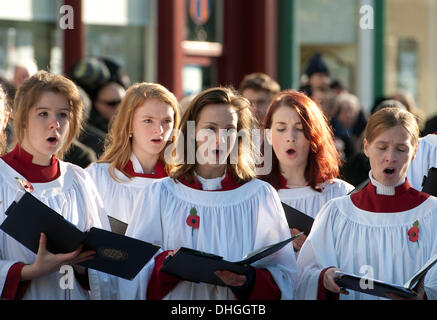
(380, 288)
(116, 254)
(197, 266)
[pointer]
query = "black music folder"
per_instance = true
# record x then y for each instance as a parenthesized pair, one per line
(429, 183)
(115, 254)
(197, 266)
(117, 226)
(380, 288)
(297, 219)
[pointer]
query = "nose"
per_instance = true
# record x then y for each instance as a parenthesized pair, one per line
(54, 123)
(390, 155)
(158, 129)
(292, 136)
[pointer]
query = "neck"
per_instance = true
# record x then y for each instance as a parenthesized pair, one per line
(383, 189)
(37, 158)
(295, 177)
(210, 172)
(147, 162)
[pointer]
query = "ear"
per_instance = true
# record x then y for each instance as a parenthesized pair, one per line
(414, 153)
(366, 147)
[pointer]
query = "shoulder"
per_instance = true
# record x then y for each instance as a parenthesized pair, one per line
(97, 167)
(430, 139)
(72, 168)
(338, 184)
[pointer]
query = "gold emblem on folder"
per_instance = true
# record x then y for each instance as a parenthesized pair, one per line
(113, 254)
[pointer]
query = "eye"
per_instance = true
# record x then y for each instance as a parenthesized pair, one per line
(168, 121)
(63, 115)
(147, 120)
(280, 129)
(43, 114)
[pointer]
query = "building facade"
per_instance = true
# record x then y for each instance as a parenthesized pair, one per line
(373, 46)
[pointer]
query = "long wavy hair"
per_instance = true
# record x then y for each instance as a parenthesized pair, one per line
(118, 145)
(5, 106)
(244, 168)
(323, 158)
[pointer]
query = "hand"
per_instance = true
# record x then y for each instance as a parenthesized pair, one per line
(47, 262)
(420, 292)
(330, 284)
(171, 253)
(298, 242)
(230, 278)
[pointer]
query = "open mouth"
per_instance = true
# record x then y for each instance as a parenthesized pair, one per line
(389, 171)
(52, 139)
(291, 152)
(157, 140)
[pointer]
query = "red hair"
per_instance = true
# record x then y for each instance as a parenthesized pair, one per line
(323, 158)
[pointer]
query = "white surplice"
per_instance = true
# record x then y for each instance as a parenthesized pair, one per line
(425, 159)
(232, 224)
(309, 201)
(118, 198)
(356, 241)
(74, 196)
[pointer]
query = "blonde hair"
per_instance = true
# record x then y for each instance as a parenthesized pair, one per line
(244, 169)
(388, 118)
(5, 110)
(29, 93)
(118, 145)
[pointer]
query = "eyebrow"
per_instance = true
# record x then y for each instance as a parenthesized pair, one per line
(387, 142)
(282, 122)
(216, 124)
(46, 108)
(154, 117)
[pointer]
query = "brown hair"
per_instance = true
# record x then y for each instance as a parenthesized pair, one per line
(260, 81)
(390, 117)
(244, 169)
(118, 145)
(30, 92)
(323, 159)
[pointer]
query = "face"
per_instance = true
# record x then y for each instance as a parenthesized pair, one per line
(47, 128)
(348, 114)
(319, 81)
(152, 126)
(259, 100)
(288, 140)
(216, 132)
(390, 154)
(321, 97)
(108, 100)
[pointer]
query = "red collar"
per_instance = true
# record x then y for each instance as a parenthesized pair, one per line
(282, 182)
(159, 171)
(405, 198)
(228, 183)
(21, 161)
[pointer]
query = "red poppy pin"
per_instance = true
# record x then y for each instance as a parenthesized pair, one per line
(26, 185)
(413, 233)
(193, 220)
